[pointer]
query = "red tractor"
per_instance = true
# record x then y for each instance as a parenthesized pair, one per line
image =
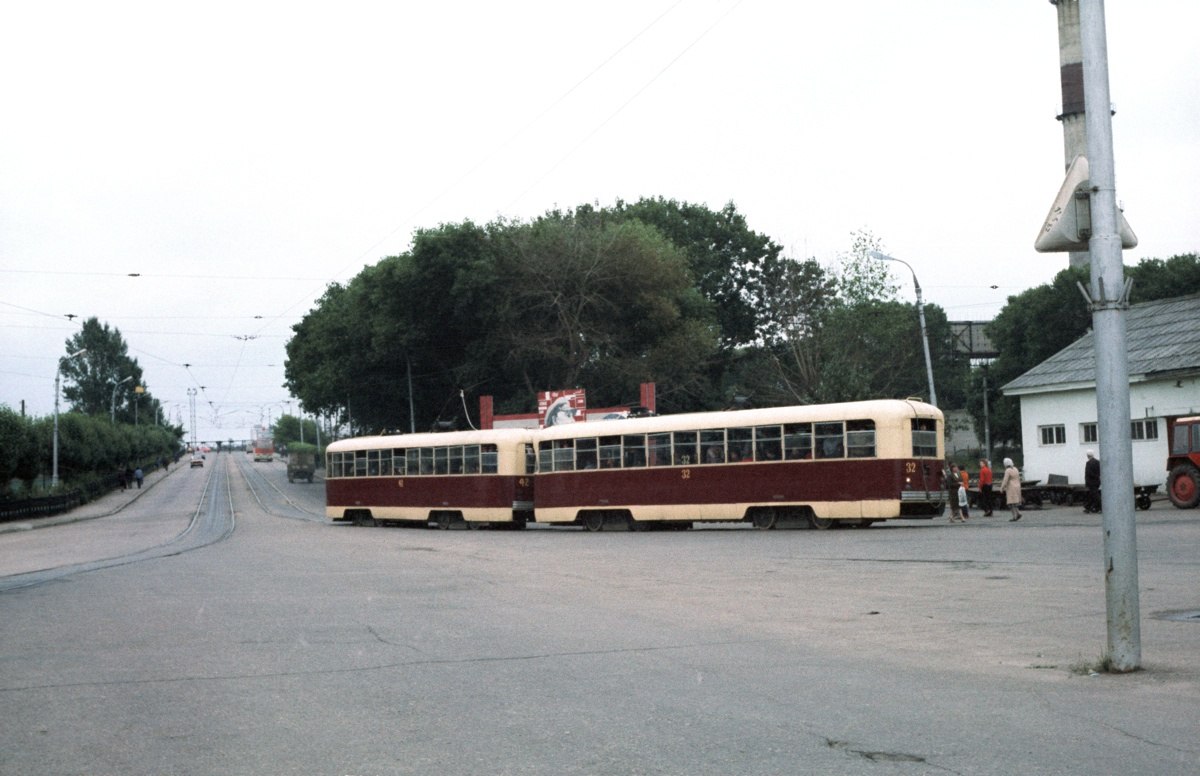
(1183, 463)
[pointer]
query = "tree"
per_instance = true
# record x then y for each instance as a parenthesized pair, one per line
(18, 449)
(1158, 279)
(507, 309)
(730, 263)
(104, 377)
(605, 306)
(286, 431)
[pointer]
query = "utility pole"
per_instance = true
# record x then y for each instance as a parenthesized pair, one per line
(1109, 295)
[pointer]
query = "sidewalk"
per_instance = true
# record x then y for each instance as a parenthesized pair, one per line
(109, 504)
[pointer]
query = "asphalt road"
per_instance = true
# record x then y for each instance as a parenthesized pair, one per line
(218, 625)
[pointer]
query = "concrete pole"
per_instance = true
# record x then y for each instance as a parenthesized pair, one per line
(1070, 59)
(1109, 304)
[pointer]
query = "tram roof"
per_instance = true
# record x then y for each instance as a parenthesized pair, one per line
(878, 408)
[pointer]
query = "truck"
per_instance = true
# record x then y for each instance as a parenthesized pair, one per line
(1183, 462)
(302, 461)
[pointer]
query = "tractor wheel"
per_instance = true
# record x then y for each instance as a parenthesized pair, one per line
(1183, 486)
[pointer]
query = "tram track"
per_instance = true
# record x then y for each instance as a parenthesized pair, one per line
(212, 521)
(251, 473)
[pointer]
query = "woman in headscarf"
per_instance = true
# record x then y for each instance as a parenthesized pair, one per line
(1010, 486)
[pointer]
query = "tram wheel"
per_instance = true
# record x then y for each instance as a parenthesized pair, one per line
(764, 519)
(593, 521)
(444, 520)
(819, 523)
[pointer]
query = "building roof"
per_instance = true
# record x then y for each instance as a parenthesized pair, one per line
(1162, 340)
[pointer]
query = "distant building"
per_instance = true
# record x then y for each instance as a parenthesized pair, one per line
(1058, 396)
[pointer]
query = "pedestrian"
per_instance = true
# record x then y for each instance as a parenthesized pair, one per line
(121, 479)
(964, 495)
(953, 483)
(139, 476)
(985, 486)
(1010, 486)
(1091, 479)
(128, 475)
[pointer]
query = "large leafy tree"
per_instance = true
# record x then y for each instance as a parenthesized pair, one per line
(506, 309)
(103, 376)
(603, 305)
(730, 263)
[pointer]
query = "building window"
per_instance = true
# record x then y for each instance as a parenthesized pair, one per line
(1053, 435)
(1144, 429)
(1088, 433)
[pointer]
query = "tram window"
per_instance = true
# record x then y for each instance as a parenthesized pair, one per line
(398, 462)
(426, 460)
(860, 439)
(455, 455)
(741, 442)
(471, 459)
(685, 448)
(829, 439)
(489, 459)
(767, 444)
(545, 456)
(412, 461)
(585, 453)
(712, 445)
(360, 463)
(385, 463)
(333, 464)
(797, 441)
(610, 452)
(658, 449)
(564, 455)
(924, 437)
(530, 459)
(635, 449)
(441, 460)
(372, 463)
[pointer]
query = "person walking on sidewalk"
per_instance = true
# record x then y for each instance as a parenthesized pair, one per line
(1010, 486)
(953, 483)
(138, 476)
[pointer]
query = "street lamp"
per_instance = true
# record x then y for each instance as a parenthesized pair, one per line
(57, 376)
(921, 315)
(112, 410)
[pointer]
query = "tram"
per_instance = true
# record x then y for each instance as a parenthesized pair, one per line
(474, 478)
(853, 463)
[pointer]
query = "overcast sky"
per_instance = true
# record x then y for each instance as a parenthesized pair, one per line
(239, 156)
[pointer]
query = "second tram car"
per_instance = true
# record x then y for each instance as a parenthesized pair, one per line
(472, 477)
(854, 463)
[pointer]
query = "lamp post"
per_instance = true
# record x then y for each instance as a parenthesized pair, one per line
(57, 376)
(920, 315)
(112, 410)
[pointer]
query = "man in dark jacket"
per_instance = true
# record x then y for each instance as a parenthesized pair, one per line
(1091, 479)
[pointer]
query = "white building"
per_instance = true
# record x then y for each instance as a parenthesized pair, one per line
(1058, 396)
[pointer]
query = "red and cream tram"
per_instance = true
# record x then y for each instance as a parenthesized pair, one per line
(476, 477)
(853, 463)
